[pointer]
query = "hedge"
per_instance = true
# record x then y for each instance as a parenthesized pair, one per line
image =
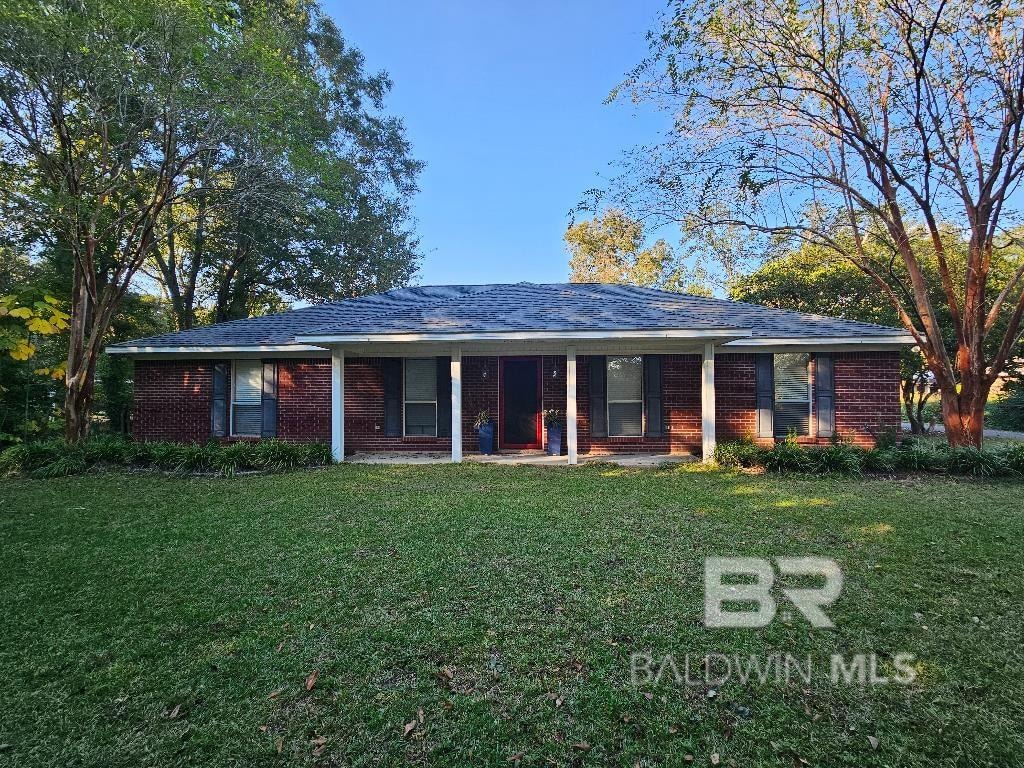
(56, 458)
(842, 458)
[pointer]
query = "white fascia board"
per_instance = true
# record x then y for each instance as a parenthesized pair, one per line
(673, 333)
(895, 340)
(255, 349)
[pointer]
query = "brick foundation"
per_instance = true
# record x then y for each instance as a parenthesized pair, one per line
(173, 399)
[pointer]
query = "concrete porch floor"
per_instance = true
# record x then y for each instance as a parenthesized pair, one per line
(521, 457)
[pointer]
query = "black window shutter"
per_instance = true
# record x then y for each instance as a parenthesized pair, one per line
(598, 402)
(444, 397)
(654, 415)
(392, 370)
(765, 386)
(269, 399)
(825, 395)
(219, 406)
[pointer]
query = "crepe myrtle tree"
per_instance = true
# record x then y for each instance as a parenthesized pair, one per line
(847, 124)
(106, 109)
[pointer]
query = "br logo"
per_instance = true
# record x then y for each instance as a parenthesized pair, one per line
(758, 577)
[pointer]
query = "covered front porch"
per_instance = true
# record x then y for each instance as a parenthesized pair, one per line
(520, 378)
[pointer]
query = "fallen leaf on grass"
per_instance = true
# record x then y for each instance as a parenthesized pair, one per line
(582, 746)
(175, 711)
(559, 701)
(311, 680)
(873, 742)
(280, 646)
(715, 759)
(515, 758)
(279, 744)
(419, 715)
(275, 694)
(409, 727)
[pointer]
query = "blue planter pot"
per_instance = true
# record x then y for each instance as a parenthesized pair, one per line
(486, 434)
(554, 440)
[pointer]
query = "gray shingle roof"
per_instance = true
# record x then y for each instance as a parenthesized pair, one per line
(517, 307)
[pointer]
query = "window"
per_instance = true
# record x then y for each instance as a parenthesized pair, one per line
(625, 396)
(792, 395)
(246, 398)
(421, 396)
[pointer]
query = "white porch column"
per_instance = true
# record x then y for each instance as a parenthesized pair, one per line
(570, 403)
(338, 404)
(457, 405)
(707, 401)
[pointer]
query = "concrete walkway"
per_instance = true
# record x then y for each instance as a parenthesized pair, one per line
(1005, 434)
(521, 457)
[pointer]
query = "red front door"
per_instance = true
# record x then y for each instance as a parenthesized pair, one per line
(519, 420)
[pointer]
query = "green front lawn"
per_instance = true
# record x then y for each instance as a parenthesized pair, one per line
(492, 612)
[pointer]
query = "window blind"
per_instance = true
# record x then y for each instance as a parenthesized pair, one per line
(625, 396)
(792, 394)
(421, 396)
(247, 398)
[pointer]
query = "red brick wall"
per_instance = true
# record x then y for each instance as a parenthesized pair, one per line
(735, 397)
(867, 395)
(680, 391)
(304, 399)
(173, 398)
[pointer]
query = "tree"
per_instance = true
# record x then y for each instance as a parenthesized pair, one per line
(610, 249)
(113, 116)
(846, 125)
(320, 218)
(33, 329)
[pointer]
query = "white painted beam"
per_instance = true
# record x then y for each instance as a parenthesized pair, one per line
(338, 404)
(707, 401)
(570, 404)
(456, 405)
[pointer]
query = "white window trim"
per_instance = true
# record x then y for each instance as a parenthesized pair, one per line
(810, 390)
(405, 402)
(234, 399)
(608, 401)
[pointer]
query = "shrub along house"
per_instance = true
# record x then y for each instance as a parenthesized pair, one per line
(633, 370)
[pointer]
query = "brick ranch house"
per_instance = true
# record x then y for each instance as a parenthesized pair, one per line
(632, 370)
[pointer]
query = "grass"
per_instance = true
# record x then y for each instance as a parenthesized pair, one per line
(166, 621)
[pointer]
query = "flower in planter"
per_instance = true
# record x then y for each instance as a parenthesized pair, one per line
(482, 418)
(552, 417)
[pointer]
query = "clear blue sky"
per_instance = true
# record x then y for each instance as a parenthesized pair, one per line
(504, 102)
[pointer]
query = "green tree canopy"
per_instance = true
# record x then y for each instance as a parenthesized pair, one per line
(610, 249)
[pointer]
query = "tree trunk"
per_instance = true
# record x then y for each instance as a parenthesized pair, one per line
(963, 415)
(910, 408)
(76, 399)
